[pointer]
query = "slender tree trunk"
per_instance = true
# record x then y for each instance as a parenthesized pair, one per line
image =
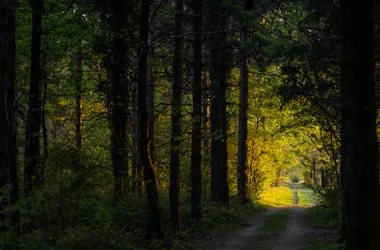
(134, 136)
(196, 137)
(119, 97)
(8, 128)
(359, 157)
(155, 221)
(150, 96)
(243, 118)
(136, 166)
(44, 82)
(45, 156)
(78, 98)
(324, 178)
(150, 102)
(174, 190)
(33, 173)
(43, 117)
(314, 169)
(277, 182)
(205, 125)
(251, 165)
(218, 75)
(44, 76)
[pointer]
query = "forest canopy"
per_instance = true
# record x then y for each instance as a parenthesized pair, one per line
(147, 124)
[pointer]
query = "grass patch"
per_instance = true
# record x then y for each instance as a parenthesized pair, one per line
(324, 246)
(317, 219)
(321, 244)
(278, 197)
(276, 222)
(305, 196)
(217, 220)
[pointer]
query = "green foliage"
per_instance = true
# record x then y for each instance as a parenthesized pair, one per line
(325, 246)
(76, 208)
(319, 217)
(329, 206)
(97, 222)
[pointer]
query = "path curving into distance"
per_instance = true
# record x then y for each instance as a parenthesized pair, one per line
(293, 234)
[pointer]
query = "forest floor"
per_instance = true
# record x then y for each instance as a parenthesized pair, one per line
(280, 227)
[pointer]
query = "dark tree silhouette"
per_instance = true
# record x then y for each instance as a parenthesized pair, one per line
(33, 169)
(218, 74)
(8, 150)
(118, 94)
(174, 190)
(196, 137)
(155, 223)
(359, 152)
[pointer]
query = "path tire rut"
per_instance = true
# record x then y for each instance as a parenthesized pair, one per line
(295, 236)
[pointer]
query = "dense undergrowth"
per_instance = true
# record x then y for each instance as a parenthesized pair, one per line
(77, 210)
(326, 214)
(98, 222)
(83, 219)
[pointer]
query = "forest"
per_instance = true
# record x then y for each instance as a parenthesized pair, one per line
(189, 124)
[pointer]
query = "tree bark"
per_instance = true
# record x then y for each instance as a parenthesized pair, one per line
(43, 117)
(134, 136)
(243, 118)
(205, 124)
(8, 128)
(277, 181)
(359, 152)
(44, 76)
(196, 137)
(33, 172)
(218, 75)
(155, 221)
(150, 96)
(314, 170)
(174, 190)
(136, 166)
(119, 97)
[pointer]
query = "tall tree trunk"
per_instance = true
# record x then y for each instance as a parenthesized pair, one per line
(43, 117)
(44, 76)
(243, 118)
(134, 136)
(218, 75)
(150, 96)
(119, 97)
(359, 156)
(33, 172)
(196, 137)
(136, 166)
(78, 99)
(155, 221)
(314, 170)
(324, 178)
(205, 118)
(205, 124)
(277, 181)
(8, 129)
(174, 190)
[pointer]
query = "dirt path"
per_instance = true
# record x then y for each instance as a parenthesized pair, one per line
(295, 194)
(295, 236)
